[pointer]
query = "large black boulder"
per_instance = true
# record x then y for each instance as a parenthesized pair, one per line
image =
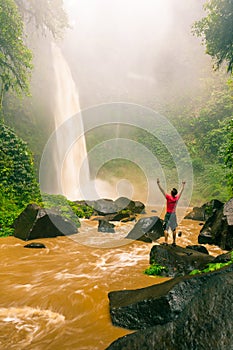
(122, 206)
(36, 222)
(147, 229)
(198, 248)
(184, 313)
(218, 229)
(178, 261)
(103, 206)
(205, 211)
(105, 226)
(124, 203)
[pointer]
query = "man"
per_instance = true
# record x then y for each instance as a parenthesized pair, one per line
(170, 220)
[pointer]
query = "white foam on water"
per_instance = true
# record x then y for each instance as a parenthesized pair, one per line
(14, 314)
(65, 276)
(27, 286)
(20, 326)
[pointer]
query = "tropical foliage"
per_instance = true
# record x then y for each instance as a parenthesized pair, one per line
(211, 267)
(44, 15)
(155, 270)
(18, 185)
(216, 30)
(15, 57)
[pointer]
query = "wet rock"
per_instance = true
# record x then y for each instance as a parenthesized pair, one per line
(121, 207)
(147, 229)
(35, 245)
(224, 258)
(196, 214)
(205, 211)
(178, 261)
(183, 313)
(198, 248)
(135, 207)
(228, 211)
(105, 226)
(217, 230)
(103, 206)
(123, 215)
(36, 222)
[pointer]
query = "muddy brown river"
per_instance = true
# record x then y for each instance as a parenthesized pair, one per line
(56, 298)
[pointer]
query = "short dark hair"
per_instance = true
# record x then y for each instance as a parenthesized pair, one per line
(174, 192)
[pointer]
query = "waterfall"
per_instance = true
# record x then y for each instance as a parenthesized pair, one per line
(70, 154)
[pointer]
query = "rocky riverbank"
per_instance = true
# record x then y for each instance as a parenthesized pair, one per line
(188, 311)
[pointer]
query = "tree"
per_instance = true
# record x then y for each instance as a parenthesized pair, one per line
(15, 57)
(44, 15)
(217, 31)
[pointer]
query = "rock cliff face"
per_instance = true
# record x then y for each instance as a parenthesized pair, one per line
(184, 313)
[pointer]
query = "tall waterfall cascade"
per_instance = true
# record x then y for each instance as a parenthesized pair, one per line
(71, 163)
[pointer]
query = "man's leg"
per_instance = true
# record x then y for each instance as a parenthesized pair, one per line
(166, 227)
(174, 236)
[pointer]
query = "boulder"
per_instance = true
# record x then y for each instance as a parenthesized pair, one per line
(105, 226)
(122, 207)
(224, 258)
(217, 230)
(135, 207)
(103, 206)
(147, 229)
(178, 261)
(120, 216)
(35, 245)
(36, 222)
(205, 211)
(228, 211)
(197, 213)
(189, 312)
(198, 248)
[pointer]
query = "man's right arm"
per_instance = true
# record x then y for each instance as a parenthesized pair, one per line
(161, 189)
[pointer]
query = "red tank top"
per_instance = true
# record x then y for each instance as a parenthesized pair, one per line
(171, 203)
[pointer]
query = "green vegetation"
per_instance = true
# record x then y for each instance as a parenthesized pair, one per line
(16, 168)
(211, 267)
(15, 57)
(81, 210)
(216, 30)
(155, 270)
(204, 122)
(44, 15)
(205, 125)
(40, 22)
(61, 205)
(217, 33)
(18, 185)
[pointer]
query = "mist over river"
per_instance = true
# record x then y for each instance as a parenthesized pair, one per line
(56, 298)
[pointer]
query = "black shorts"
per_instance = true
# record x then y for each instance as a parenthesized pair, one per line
(170, 221)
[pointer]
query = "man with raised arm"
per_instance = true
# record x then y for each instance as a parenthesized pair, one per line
(170, 220)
